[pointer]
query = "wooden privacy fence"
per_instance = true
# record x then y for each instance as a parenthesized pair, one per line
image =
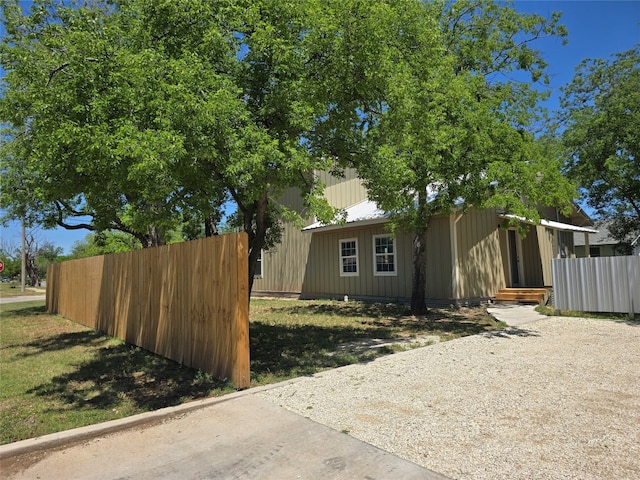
(187, 301)
(601, 284)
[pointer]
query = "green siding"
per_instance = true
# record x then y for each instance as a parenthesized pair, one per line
(439, 267)
(322, 276)
(283, 266)
(480, 254)
(343, 192)
(545, 242)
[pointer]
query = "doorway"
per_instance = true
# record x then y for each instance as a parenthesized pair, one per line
(514, 258)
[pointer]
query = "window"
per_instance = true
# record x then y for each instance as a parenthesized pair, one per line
(594, 251)
(258, 273)
(349, 257)
(384, 255)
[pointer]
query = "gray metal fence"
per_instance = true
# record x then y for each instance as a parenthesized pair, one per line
(602, 284)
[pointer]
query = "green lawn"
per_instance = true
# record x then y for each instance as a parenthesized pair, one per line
(13, 289)
(56, 374)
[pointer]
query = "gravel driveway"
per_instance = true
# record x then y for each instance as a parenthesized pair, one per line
(554, 399)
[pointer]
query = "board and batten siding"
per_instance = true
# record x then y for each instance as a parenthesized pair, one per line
(439, 267)
(343, 192)
(545, 242)
(480, 254)
(284, 266)
(322, 276)
(481, 271)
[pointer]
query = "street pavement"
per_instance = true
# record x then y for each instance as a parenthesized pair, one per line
(20, 299)
(240, 436)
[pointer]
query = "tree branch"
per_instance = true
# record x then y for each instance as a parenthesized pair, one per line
(55, 71)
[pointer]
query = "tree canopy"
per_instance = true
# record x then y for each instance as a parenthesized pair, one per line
(137, 114)
(426, 108)
(143, 115)
(601, 116)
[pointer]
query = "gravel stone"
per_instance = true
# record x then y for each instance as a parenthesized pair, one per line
(555, 399)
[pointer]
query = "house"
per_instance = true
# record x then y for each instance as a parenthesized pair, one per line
(601, 244)
(470, 257)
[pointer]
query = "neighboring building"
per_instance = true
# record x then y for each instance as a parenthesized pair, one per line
(469, 257)
(636, 246)
(601, 244)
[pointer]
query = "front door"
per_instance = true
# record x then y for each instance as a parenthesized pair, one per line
(514, 259)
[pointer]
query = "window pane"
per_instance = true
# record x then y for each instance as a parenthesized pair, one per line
(384, 255)
(384, 245)
(348, 249)
(348, 257)
(385, 263)
(349, 265)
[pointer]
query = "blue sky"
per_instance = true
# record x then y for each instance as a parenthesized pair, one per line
(597, 29)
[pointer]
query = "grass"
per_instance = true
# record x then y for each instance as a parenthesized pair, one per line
(550, 311)
(12, 289)
(294, 338)
(56, 374)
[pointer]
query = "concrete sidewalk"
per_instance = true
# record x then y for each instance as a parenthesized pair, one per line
(22, 298)
(515, 315)
(240, 436)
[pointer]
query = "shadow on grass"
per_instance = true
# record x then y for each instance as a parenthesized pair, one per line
(11, 310)
(352, 309)
(294, 350)
(90, 338)
(123, 373)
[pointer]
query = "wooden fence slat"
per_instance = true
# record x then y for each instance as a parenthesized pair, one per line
(188, 301)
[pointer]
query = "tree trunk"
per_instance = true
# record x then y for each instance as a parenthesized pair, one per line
(257, 216)
(419, 279)
(210, 228)
(419, 256)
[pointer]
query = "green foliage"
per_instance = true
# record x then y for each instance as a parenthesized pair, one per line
(424, 107)
(104, 243)
(12, 265)
(147, 117)
(602, 119)
(141, 115)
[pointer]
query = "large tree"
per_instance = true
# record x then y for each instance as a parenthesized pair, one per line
(427, 110)
(601, 116)
(137, 115)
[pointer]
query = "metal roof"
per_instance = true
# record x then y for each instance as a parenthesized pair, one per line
(565, 227)
(365, 212)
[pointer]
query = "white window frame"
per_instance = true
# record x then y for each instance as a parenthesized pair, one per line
(261, 263)
(342, 257)
(376, 273)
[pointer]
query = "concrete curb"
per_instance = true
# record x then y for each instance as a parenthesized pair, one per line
(80, 434)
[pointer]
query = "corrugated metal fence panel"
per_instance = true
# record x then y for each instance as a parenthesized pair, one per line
(188, 301)
(602, 284)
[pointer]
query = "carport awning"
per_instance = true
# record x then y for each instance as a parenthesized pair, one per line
(565, 227)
